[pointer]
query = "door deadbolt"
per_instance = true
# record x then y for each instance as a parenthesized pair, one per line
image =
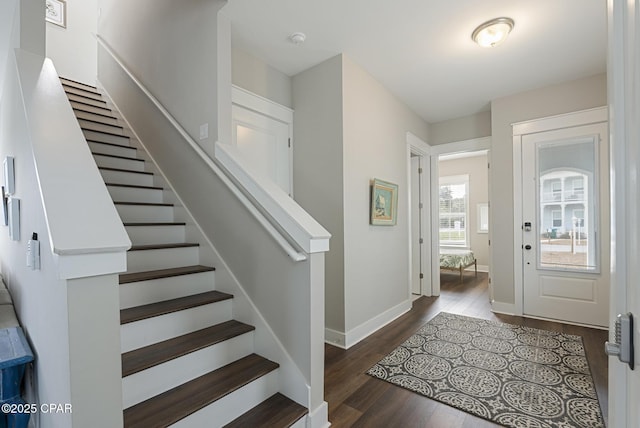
(527, 247)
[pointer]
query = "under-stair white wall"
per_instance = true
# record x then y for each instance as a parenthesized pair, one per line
(69, 307)
(282, 298)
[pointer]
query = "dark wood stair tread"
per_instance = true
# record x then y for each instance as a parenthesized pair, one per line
(134, 186)
(71, 82)
(177, 403)
(98, 122)
(101, 107)
(113, 134)
(127, 278)
(141, 359)
(81, 92)
(117, 156)
(142, 312)
(85, 110)
(124, 170)
(112, 144)
(277, 411)
(148, 204)
(163, 246)
(160, 223)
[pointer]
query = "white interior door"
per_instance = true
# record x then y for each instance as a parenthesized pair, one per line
(565, 208)
(416, 230)
(264, 143)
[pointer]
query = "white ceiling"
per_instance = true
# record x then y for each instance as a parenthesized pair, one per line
(422, 51)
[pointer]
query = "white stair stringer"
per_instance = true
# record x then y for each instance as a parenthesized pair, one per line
(233, 405)
(145, 332)
(155, 380)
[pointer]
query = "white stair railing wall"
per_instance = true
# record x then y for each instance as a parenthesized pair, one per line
(68, 308)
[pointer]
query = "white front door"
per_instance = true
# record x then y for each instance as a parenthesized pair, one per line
(264, 143)
(565, 230)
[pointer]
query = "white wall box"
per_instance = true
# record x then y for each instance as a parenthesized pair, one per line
(9, 176)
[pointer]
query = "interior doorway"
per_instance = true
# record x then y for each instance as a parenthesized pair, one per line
(419, 177)
(460, 202)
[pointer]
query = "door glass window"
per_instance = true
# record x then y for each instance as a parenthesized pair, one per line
(567, 205)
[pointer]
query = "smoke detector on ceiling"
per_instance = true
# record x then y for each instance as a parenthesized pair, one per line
(297, 38)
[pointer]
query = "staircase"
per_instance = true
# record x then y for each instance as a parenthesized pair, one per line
(185, 361)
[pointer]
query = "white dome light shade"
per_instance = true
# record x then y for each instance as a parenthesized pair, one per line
(492, 33)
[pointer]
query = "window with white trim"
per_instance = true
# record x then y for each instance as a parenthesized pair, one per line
(454, 210)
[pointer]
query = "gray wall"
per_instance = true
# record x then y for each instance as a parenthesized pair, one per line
(256, 76)
(348, 130)
(460, 129)
(173, 47)
(476, 168)
(73, 49)
(318, 169)
(566, 97)
(375, 146)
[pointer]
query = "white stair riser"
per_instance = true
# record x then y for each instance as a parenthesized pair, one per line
(156, 290)
(145, 332)
(111, 162)
(86, 124)
(135, 194)
(144, 260)
(145, 213)
(85, 107)
(144, 235)
(107, 138)
(300, 423)
(158, 379)
(233, 405)
(81, 114)
(132, 178)
(125, 151)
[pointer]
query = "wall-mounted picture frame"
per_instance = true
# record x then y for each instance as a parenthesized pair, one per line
(56, 12)
(384, 203)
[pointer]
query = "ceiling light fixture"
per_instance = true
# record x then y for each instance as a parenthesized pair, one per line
(297, 38)
(492, 33)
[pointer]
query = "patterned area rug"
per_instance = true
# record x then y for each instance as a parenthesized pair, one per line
(511, 375)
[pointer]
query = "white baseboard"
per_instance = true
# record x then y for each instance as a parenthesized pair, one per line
(319, 417)
(355, 335)
(503, 308)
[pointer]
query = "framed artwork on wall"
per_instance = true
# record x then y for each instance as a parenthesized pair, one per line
(56, 12)
(384, 203)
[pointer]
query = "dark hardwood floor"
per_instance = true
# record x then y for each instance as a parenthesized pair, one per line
(359, 400)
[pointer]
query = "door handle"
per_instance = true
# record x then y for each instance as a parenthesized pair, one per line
(527, 247)
(623, 345)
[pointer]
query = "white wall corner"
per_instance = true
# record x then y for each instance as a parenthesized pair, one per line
(367, 328)
(503, 308)
(335, 338)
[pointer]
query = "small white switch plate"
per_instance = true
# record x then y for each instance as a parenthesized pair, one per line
(204, 131)
(33, 252)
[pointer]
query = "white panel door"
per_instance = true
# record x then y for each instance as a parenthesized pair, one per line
(416, 230)
(565, 227)
(264, 144)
